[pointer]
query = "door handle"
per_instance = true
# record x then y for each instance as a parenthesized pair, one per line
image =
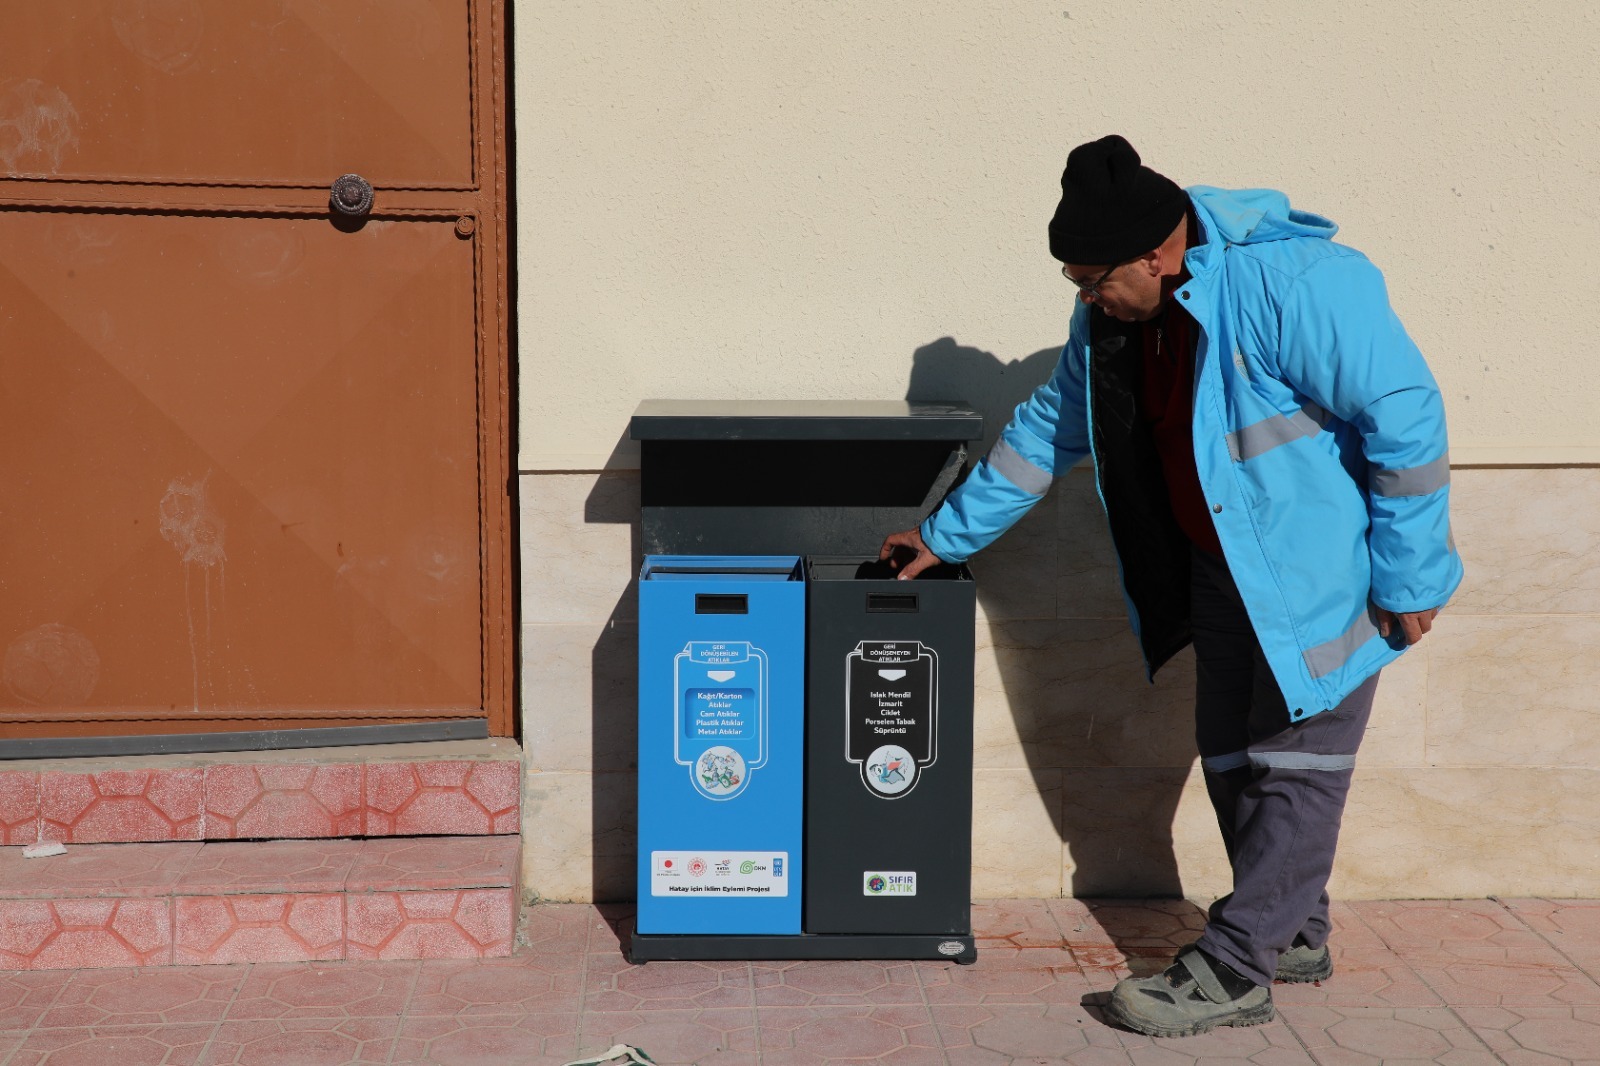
(351, 195)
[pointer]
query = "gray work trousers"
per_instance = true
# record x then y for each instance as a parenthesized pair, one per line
(1278, 788)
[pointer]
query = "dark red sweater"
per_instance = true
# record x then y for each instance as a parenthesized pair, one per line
(1166, 402)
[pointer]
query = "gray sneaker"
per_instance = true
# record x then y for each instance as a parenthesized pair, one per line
(1186, 1000)
(1301, 964)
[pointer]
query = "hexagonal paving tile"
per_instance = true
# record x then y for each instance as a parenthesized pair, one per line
(324, 990)
(270, 866)
(266, 801)
(1358, 1035)
(1019, 922)
(303, 1042)
(524, 983)
(121, 805)
(124, 1045)
(25, 995)
(158, 995)
(825, 983)
(720, 1036)
(488, 1040)
(612, 984)
(791, 1036)
(1009, 981)
(1565, 1033)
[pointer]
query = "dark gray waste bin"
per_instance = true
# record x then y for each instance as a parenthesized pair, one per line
(888, 749)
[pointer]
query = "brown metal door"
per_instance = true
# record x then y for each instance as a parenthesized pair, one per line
(254, 459)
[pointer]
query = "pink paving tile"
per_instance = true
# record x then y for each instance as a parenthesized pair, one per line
(303, 1042)
(1449, 931)
(1011, 983)
(791, 1036)
(1365, 972)
(524, 983)
(1360, 1035)
(270, 866)
(1005, 1034)
(819, 983)
(456, 798)
(612, 984)
(1139, 937)
(436, 862)
(1525, 1034)
(96, 870)
(1537, 982)
(471, 923)
(1023, 923)
(1367, 978)
(1570, 926)
(122, 1045)
(707, 1036)
(321, 990)
(269, 801)
(490, 1040)
(271, 928)
(26, 995)
(151, 996)
(72, 933)
(1064, 1033)
(612, 928)
(558, 928)
(19, 807)
(121, 805)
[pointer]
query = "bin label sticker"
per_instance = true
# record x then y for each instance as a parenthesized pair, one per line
(687, 874)
(891, 713)
(889, 883)
(721, 710)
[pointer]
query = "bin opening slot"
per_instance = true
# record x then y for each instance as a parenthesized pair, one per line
(891, 603)
(721, 603)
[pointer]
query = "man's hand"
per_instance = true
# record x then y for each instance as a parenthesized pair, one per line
(1412, 623)
(906, 553)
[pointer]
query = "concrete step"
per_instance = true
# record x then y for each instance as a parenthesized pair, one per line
(193, 903)
(459, 788)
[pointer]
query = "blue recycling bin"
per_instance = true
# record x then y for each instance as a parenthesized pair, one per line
(721, 744)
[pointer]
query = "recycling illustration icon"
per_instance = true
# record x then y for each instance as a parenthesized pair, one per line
(890, 713)
(721, 732)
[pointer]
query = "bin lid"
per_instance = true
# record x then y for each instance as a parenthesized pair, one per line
(712, 568)
(951, 420)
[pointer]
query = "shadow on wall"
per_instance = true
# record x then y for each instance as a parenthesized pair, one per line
(614, 696)
(1108, 751)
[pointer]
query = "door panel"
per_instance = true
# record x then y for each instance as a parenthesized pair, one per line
(249, 91)
(262, 498)
(253, 456)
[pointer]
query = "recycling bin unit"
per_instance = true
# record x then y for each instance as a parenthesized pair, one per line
(805, 718)
(721, 742)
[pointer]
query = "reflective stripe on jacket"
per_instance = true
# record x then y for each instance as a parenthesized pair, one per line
(1319, 438)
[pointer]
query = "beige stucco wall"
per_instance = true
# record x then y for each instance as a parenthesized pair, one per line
(792, 198)
(1480, 774)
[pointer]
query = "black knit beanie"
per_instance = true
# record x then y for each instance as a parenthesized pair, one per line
(1112, 209)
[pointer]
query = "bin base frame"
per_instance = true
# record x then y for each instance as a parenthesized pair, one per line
(696, 947)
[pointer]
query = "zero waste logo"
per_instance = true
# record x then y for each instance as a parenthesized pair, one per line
(888, 883)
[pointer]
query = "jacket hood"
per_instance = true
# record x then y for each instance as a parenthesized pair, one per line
(1254, 216)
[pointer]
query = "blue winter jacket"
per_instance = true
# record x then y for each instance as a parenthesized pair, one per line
(1319, 438)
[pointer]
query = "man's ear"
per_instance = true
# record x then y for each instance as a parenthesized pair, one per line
(1150, 262)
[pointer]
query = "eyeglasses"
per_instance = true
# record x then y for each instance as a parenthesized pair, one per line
(1091, 289)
